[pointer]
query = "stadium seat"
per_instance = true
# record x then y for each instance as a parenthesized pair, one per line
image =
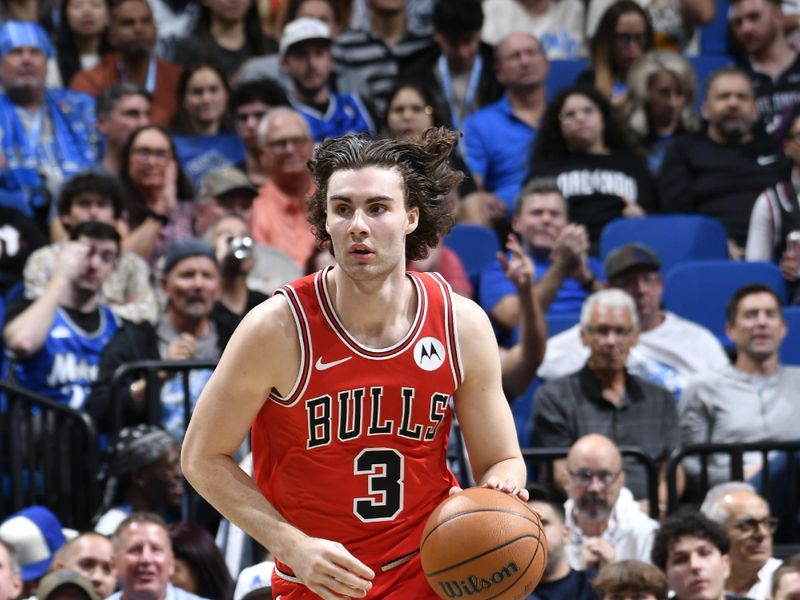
(563, 73)
(714, 36)
(704, 65)
(475, 245)
(556, 323)
(700, 290)
(675, 238)
(790, 349)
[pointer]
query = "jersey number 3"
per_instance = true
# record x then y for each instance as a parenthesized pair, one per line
(384, 470)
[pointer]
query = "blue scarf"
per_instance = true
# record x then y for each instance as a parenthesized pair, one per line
(72, 117)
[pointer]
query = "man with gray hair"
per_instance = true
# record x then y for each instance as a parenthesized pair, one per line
(121, 108)
(603, 397)
(746, 518)
(10, 579)
(279, 210)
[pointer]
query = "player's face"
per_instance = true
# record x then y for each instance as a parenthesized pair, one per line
(667, 98)
(541, 219)
(288, 146)
(10, 583)
(206, 98)
(129, 113)
(309, 64)
(192, 287)
(610, 335)
(23, 68)
(150, 154)
(696, 570)
(144, 560)
(730, 105)
(788, 587)
(248, 117)
(521, 63)
(368, 221)
(758, 328)
(91, 556)
(581, 124)
(630, 37)
(595, 481)
(408, 114)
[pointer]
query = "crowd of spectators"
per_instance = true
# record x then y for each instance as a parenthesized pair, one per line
(153, 189)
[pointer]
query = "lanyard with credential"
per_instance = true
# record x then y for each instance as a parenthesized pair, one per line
(150, 82)
(34, 134)
(472, 87)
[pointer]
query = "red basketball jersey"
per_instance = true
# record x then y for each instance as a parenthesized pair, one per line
(356, 452)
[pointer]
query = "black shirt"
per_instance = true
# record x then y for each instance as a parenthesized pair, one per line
(575, 586)
(775, 97)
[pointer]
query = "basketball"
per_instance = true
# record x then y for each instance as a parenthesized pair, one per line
(482, 543)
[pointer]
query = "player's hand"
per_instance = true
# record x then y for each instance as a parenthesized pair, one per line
(517, 267)
(507, 486)
(596, 553)
(329, 570)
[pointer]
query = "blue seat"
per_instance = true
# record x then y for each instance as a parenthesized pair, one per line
(675, 238)
(790, 349)
(556, 323)
(704, 65)
(714, 36)
(475, 245)
(700, 290)
(563, 73)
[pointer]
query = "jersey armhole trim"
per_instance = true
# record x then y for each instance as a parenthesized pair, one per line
(304, 338)
(451, 330)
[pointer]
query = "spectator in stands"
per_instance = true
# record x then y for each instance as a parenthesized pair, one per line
(35, 534)
(144, 474)
(91, 555)
(565, 274)
(582, 143)
(144, 559)
(158, 207)
(786, 580)
(279, 211)
(65, 585)
(21, 237)
(132, 34)
(186, 330)
(624, 34)
(776, 214)
(199, 564)
(669, 349)
(458, 72)
(558, 24)
(631, 579)
(559, 581)
(752, 400)
(57, 338)
(693, 553)
(121, 109)
(606, 522)
(660, 104)
(127, 290)
(380, 52)
(48, 133)
(255, 583)
(10, 580)
(202, 128)
(249, 103)
(719, 172)
(603, 397)
(230, 236)
(226, 34)
(497, 138)
(746, 519)
(80, 41)
(306, 57)
(773, 65)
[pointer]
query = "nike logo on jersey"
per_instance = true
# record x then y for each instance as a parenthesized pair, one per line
(322, 366)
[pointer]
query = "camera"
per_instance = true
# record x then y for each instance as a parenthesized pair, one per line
(241, 247)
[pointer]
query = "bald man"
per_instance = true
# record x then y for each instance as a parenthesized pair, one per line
(90, 554)
(607, 523)
(746, 518)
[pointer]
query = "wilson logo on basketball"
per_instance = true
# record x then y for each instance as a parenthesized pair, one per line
(475, 584)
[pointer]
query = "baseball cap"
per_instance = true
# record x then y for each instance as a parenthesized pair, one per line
(186, 248)
(223, 180)
(255, 582)
(17, 34)
(301, 30)
(629, 256)
(58, 579)
(35, 534)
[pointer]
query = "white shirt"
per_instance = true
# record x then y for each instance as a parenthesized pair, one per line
(667, 355)
(762, 589)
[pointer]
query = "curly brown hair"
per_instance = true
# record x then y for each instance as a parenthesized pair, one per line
(422, 162)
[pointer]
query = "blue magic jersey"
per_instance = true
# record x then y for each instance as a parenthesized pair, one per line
(346, 114)
(66, 365)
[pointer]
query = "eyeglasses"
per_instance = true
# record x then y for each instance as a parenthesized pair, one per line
(585, 477)
(571, 115)
(602, 331)
(751, 525)
(629, 38)
(157, 154)
(286, 142)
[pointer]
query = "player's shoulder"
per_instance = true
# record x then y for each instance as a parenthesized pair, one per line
(270, 317)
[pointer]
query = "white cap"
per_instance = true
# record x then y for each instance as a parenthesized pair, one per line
(302, 29)
(254, 579)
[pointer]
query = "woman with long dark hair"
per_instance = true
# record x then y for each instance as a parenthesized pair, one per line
(199, 565)
(583, 145)
(80, 38)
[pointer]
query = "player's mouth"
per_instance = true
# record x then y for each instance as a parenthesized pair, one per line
(361, 252)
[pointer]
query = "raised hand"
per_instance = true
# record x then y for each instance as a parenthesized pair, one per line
(518, 266)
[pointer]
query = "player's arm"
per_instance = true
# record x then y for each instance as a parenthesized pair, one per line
(262, 354)
(482, 410)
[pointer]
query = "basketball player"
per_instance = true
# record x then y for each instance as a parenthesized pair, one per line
(346, 376)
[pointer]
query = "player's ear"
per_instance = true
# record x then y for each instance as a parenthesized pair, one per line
(413, 219)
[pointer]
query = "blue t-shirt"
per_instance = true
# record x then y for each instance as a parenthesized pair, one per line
(575, 586)
(200, 154)
(346, 114)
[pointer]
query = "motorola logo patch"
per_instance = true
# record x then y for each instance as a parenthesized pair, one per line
(429, 354)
